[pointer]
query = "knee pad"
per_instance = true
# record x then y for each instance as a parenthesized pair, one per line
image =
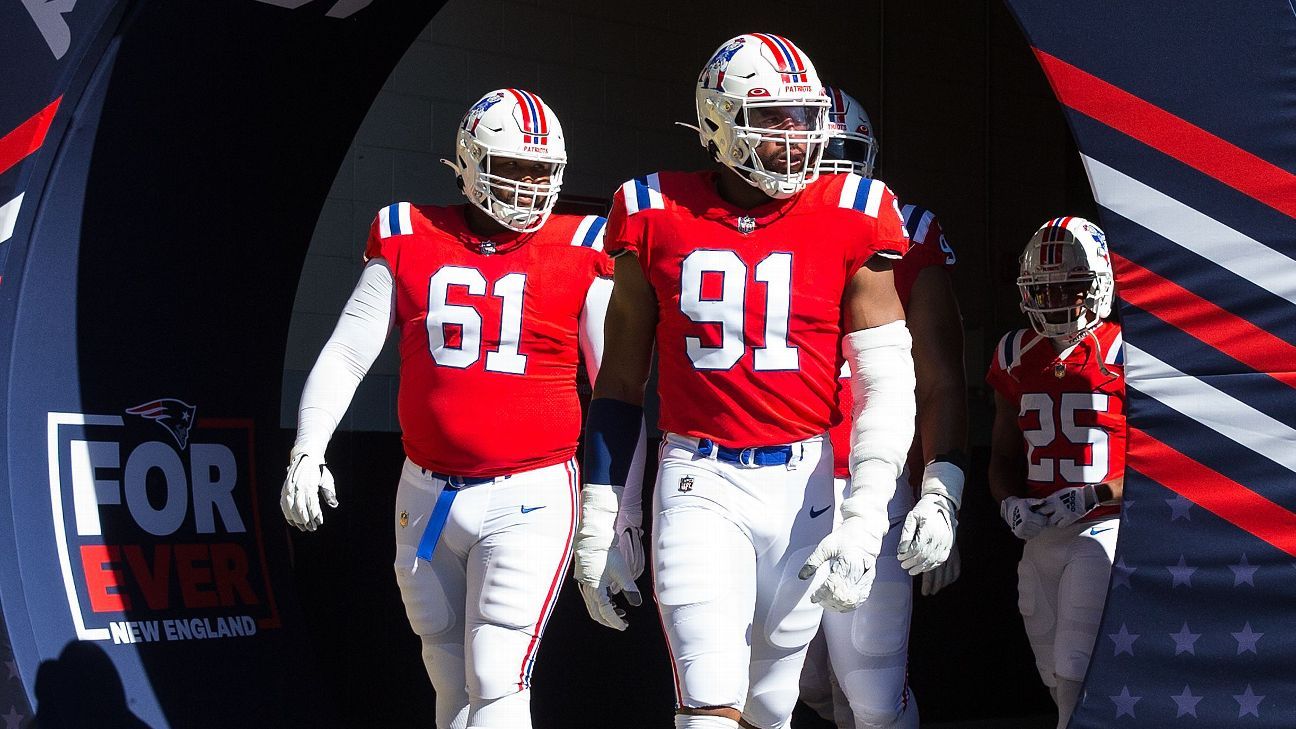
(880, 627)
(879, 697)
(511, 711)
(1039, 619)
(1082, 594)
(430, 613)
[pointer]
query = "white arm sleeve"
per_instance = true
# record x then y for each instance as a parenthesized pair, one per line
(346, 358)
(882, 426)
(592, 318)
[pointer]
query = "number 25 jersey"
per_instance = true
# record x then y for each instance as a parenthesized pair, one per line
(488, 336)
(749, 318)
(1070, 407)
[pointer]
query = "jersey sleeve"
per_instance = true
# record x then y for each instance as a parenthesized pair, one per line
(627, 226)
(928, 246)
(1001, 361)
(388, 229)
(882, 231)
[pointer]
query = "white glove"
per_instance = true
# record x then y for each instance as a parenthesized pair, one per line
(308, 478)
(928, 531)
(629, 535)
(851, 552)
(927, 534)
(605, 559)
(1022, 516)
(1067, 506)
(944, 575)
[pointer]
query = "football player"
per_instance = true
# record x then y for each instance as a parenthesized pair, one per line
(494, 301)
(749, 275)
(855, 672)
(1057, 459)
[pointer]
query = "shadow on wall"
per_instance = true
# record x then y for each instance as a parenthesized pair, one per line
(81, 688)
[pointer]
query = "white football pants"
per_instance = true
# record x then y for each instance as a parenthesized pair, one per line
(727, 545)
(856, 671)
(1061, 588)
(481, 604)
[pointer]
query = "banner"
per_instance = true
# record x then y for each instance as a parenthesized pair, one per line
(1185, 116)
(162, 165)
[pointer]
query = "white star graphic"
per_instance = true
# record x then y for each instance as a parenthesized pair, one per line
(13, 719)
(1186, 702)
(1121, 574)
(1248, 703)
(1181, 573)
(1184, 640)
(1243, 572)
(1247, 639)
(1126, 505)
(1124, 641)
(1124, 702)
(1179, 507)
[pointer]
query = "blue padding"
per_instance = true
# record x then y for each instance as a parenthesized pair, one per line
(437, 522)
(611, 435)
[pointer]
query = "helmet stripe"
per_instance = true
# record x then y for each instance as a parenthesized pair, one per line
(781, 55)
(537, 107)
(791, 50)
(528, 115)
(838, 103)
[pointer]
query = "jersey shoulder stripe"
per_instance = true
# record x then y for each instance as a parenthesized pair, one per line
(589, 234)
(917, 221)
(1116, 351)
(862, 194)
(643, 193)
(395, 220)
(1009, 352)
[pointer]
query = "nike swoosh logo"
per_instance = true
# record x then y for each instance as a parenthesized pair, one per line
(816, 513)
(529, 509)
(1096, 531)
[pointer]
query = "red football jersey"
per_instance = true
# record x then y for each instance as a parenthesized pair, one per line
(488, 336)
(1071, 407)
(929, 248)
(749, 301)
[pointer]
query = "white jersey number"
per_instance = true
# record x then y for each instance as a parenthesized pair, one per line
(1072, 471)
(775, 271)
(510, 288)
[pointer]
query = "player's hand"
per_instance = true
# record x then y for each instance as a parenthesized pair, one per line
(851, 553)
(308, 479)
(927, 534)
(1022, 516)
(944, 575)
(629, 536)
(604, 558)
(1069, 505)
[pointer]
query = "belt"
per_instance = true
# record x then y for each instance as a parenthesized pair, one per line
(441, 511)
(747, 457)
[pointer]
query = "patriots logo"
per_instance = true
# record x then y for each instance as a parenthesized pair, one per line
(474, 115)
(175, 415)
(713, 73)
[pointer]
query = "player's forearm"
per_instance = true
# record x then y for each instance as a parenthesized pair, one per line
(1005, 479)
(345, 359)
(942, 417)
(1110, 492)
(882, 425)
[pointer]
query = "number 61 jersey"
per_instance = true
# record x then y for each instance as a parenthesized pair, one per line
(749, 301)
(489, 333)
(1070, 407)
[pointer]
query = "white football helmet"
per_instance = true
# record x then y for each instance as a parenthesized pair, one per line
(510, 123)
(1065, 279)
(851, 146)
(753, 77)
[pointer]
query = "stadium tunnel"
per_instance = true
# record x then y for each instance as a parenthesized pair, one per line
(168, 173)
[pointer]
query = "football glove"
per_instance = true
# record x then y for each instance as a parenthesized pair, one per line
(851, 552)
(607, 560)
(944, 575)
(1069, 505)
(1022, 516)
(928, 531)
(308, 479)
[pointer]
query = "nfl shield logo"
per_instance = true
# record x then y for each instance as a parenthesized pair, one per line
(746, 224)
(686, 484)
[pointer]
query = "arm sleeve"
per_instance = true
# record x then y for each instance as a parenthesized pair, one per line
(346, 358)
(882, 426)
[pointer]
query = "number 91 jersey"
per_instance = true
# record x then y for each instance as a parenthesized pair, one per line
(488, 336)
(749, 301)
(1070, 407)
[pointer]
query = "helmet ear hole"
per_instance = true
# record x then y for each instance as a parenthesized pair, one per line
(711, 126)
